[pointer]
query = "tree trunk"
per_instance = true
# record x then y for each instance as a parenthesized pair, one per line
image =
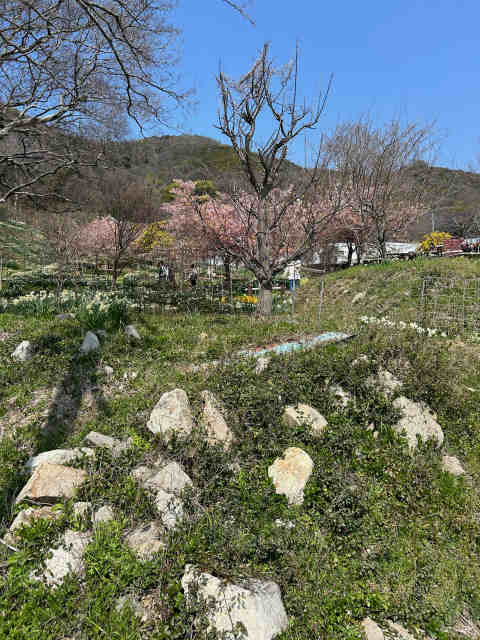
(265, 299)
(350, 254)
(228, 273)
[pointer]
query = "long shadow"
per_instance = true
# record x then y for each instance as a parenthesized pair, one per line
(79, 379)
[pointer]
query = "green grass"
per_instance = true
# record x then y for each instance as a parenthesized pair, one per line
(381, 532)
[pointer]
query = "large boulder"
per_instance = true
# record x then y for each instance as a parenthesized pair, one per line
(171, 414)
(291, 473)
(67, 558)
(58, 456)
(215, 425)
(52, 482)
(304, 414)
(417, 419)
(146, 540)
(90, 343)
(23, 352)
(257, 605)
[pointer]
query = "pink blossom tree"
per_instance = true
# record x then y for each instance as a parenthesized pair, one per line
(115, 236)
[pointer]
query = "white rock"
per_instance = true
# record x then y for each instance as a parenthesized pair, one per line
(452, 465)
(170, 508)
(95, 439)
(291, 473)
(90, 343)
(81, 509)
(417, 419)
(215, 425)
(262, 364)
(304, 414)
(284, 524)
(108, 370)
(371, 630)
(388, 382)
(103, 514)
(136, 605)
(171, 414)
(399, 631)
(67, 558)
(361, 360)
(58, 456)
(131, 332)
(146, 540)
(171, 478)
(358, 296)
(51, 482)
(257, 605)
(26, 517)
(341, 396)
(23, 351)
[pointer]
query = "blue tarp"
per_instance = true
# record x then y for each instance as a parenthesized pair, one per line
(287, 347)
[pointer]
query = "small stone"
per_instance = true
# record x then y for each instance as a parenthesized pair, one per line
(417, 419)
(23, 352)
(108, 370)
(262, 364)
(256, 605)
(26, 517)
(132, 333)
(104, 514)
(145, 540)
(171, 478)
(358, 296)
(58, 456)
(452, 465)
(215, 425)
(371, 630)
(284, 524)
(95, 439)
(172, 414)
(68, 558)
(170, 508)
(52, 482)
(202, 336)
(399, 631)
(135, 605)
(304, 414)
(90, 343)
(388, 382)
(291, 473)
(342, 397)
(65, 316)
(361, 360)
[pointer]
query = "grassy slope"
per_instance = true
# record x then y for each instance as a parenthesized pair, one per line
(21, 243)
(380, 533)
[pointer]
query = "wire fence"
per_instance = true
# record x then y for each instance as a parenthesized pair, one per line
(450, 304)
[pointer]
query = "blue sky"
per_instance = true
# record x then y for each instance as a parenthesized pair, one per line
(416, 60)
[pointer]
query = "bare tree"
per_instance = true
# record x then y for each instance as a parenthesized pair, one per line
(386, 196)
(277, 222)
(77, 67)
